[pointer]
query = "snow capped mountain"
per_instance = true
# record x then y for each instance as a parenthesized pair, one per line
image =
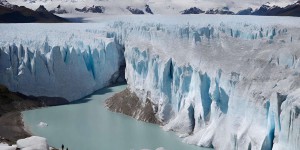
(41, 9)
(93, 9)
(292, 10)
(59, 10)
(6, 4)
(135, 10)
(268, 10)
(223, 11)
(108, 7)
(247, 11)
(19, 14)
(228, 82)
(148, 9)
(157, 6)
(192, 10)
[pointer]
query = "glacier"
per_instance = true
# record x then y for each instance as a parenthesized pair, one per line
(56, 60)
(227, 82)
(219, 83)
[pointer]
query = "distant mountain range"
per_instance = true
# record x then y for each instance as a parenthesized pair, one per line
(12, 13)
(264, 10)
(126, 7)
(19, 14)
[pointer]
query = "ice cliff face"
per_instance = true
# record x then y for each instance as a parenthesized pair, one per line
(227, 85)
(224, 82)
(57, 61)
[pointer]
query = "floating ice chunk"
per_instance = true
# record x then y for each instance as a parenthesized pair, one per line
(42, 124)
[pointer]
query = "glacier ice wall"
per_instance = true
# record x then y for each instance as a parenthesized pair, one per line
(58, 61)
(222, 85)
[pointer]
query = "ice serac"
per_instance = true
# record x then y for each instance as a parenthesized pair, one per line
(66, 63)
(227, 84)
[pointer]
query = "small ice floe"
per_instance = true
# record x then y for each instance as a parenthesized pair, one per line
(183, 135)
(42, 124)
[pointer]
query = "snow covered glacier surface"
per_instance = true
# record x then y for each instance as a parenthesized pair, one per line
(227, 82)
(57, 60)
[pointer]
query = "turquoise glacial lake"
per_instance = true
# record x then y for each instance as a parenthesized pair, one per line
(87, 125)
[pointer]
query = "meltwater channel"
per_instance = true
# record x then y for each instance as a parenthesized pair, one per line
(88, 125)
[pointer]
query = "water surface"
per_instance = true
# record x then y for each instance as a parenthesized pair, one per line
(88, 125)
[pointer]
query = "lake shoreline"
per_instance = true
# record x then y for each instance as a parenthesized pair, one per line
(12, 127)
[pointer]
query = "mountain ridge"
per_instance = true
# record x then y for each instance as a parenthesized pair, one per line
(10, 13)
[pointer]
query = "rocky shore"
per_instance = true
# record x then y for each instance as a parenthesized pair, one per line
(129, 104)
(11, 106)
